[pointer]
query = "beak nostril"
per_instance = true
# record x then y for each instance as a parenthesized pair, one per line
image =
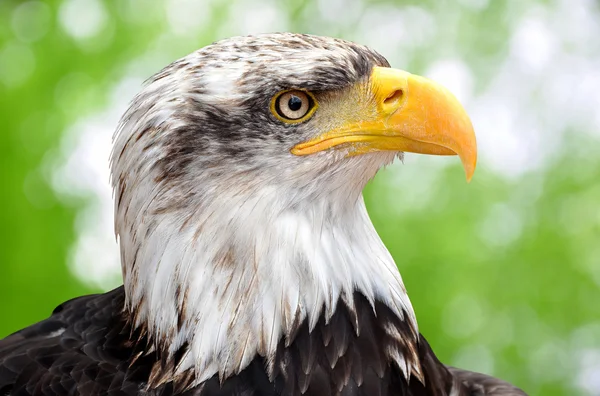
(394, 97)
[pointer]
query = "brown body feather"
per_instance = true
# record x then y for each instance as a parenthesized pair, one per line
(87, 347)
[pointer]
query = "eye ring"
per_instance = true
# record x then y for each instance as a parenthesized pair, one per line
(293, 106)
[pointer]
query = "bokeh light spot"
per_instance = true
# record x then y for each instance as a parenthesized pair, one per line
(82, 19)
(31, 21)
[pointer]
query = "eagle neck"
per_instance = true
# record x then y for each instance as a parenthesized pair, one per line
(216, 290)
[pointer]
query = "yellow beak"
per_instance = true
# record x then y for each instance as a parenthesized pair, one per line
(410, 113)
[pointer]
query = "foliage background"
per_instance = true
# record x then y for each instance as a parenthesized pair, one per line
(504, 273)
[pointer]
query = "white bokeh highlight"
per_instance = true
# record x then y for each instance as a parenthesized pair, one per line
(82, 19)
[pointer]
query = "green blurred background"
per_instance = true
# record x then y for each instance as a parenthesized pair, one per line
(504, 272)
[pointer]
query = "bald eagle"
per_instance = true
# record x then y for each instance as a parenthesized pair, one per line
(249, 262)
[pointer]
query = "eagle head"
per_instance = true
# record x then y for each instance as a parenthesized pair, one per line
(238, 173)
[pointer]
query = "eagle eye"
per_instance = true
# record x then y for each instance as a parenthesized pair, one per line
(293, 106)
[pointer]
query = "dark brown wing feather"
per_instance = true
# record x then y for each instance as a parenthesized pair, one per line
(484, 385)
(78, 350)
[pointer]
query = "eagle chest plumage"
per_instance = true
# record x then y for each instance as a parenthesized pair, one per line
(87, 347)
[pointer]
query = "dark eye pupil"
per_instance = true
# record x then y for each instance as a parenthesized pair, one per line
(295, 103)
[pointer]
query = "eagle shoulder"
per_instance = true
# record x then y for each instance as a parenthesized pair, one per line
(77, 350)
